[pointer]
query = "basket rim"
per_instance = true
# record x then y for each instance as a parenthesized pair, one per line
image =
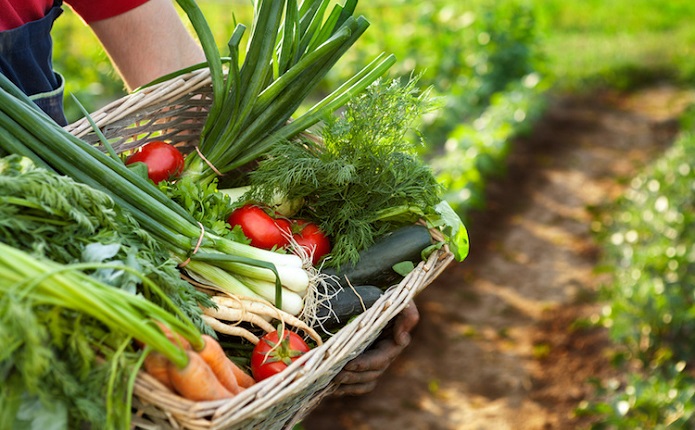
(141, 99)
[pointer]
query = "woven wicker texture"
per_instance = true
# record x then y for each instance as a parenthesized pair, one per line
(175, 110)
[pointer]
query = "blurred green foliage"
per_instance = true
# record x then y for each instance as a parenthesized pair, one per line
(88, 73)
(664, 399)
(650, 242)
(617, 43)
(649, 247)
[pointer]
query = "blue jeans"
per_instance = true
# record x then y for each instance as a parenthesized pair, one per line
(26, 59)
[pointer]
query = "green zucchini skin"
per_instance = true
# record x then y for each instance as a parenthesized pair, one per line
(375, 264)
(345, 304)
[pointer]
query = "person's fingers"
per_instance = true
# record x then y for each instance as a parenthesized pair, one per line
(405, 322)
(379, 357)
(355, 389)
(360, 375)
(346, 377)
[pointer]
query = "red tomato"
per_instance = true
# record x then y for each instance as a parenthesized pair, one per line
(270, 357)
(313, 240)
(263, 230)
(163, 161)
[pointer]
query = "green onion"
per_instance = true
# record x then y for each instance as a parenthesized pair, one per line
(292, 302)
(49, 283)
(294, 278)
(285, 61)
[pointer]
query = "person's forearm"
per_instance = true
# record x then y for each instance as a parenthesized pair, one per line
(148, 42)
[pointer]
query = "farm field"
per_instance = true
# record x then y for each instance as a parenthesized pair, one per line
(550, 113)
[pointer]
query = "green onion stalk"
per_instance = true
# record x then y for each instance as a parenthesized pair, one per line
(27, 131)
(46, 282)
(286, 59)
(60, 325)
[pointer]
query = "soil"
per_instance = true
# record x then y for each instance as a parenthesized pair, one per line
(503, 340)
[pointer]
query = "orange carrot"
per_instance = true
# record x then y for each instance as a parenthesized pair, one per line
(197, 381)
(233, 378)
(175, 338)
(243, 379)
(156, 366)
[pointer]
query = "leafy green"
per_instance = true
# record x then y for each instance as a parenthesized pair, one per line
(452, 227)
(55, 217)
(365, 178)
(403, 268)
(206, 204)
(67, 337)
(67, 343)
(35, 415)
(49, 358)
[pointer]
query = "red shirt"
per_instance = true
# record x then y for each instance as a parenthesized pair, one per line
(18, 12)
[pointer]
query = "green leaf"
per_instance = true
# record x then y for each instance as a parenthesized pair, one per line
(403, 268)
(454, 230)
(97, 252)
(139, 169)
(34, 415)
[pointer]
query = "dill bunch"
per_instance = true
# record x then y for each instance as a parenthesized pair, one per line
(365, 178)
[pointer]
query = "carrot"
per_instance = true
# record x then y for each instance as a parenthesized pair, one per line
(243, 379)
(229, 374)
(175, 338)
(197, 381)
(156, 366)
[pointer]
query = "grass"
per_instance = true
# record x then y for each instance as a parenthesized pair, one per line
(617, 43)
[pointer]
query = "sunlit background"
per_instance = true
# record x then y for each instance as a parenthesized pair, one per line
(494, 64)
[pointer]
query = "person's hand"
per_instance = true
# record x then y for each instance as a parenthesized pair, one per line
(361, 374)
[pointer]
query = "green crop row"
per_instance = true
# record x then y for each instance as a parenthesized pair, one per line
(650, 249)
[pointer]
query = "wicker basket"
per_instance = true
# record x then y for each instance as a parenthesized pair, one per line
(175, 110)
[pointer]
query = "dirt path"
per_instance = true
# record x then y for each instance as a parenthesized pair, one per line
(497, 346)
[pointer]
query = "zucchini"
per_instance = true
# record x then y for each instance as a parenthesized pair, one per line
(345, 304)
(375, 264)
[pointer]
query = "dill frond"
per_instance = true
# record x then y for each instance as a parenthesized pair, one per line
(366, 178)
